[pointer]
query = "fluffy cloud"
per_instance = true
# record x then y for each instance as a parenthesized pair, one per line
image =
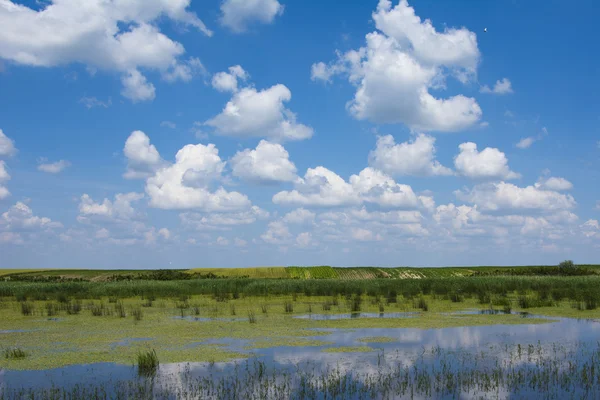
(222, 221)
(490, 163)
(464, 221)
(401, 62)
(501, 87)
(304, 240)
(416, 157)
(136, 87)
(237, 15)
(460, 219)
(269, 162)
(184, 71)
(554, 183)
(20, 218)
(525, 143)
(119, 209)
(4, 176)
(117, 35)
(324, 188)
(55, 167)
(7, 145)
(319, 187)
(186, 183)
(252, 113)
(590, 228)
(228, 81)
(299, 216)
(277, 233)
(142, 157)
(7, 149)
(506, 196)
(364, 235)
(221, 241)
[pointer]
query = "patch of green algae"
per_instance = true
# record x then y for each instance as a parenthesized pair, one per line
(377, 339)
(84, 339)
(285, 341)
(348, 349)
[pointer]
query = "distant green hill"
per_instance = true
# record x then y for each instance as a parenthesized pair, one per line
(292, 272)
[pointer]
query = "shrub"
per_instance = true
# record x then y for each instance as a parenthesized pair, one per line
(567, 266)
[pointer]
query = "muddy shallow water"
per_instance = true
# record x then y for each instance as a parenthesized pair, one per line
(505, 355)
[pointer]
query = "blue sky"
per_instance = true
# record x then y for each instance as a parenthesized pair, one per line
(377, 133)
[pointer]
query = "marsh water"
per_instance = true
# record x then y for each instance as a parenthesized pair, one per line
(553, 360)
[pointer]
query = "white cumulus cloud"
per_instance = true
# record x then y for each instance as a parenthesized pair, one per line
(490, 163)
(120, 36)
(7, 145)
(399, 65)
(55, 167)
(142, 157)
(324, 188)
(501, 87)
(416, 157)
(269, 162)
(4, 177)
(506, 196)
(554, 183)
(186, 183)
(252, 113)
(136, 87)
(228, 81)
(237, 15)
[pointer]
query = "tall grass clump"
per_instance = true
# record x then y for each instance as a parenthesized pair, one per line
(120, 309)
(137, 314)
(14, 353)
(456, 297)
(98, 310)
(147, 362)
(51, 309)
(355, 304)
(421, 303)
(288, 307)
(251, 317)
(264, 308)
(73, 307)
(392, 296)
(27, 308)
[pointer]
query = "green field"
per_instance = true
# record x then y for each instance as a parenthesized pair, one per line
(297, 272)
